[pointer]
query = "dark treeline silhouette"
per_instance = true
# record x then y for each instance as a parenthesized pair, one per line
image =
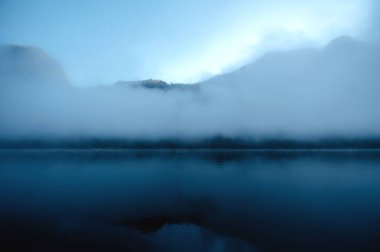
(219, 142)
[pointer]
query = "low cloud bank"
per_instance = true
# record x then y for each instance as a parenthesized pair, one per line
(301, 94)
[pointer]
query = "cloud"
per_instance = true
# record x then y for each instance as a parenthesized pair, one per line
(293, 94)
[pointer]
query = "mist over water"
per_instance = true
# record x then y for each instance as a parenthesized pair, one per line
(298, 94)
(210, 126)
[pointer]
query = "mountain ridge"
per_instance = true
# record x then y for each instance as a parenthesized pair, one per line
(29, 64)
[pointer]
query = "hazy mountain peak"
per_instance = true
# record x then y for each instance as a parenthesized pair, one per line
(29, 64)
(342, 43)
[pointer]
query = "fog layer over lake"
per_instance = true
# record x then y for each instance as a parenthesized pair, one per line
(300, 94)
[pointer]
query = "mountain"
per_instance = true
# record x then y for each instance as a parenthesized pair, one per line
(155, 84)
(29, 65)
(342, 60)
(307, 92)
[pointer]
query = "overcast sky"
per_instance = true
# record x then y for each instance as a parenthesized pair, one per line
(174, 40)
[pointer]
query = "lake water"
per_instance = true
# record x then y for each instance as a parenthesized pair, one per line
(189, 200)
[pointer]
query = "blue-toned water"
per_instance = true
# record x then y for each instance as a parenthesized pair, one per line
(189, 201)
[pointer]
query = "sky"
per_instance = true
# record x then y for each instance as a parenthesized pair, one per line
(283, 94)
(104, 41)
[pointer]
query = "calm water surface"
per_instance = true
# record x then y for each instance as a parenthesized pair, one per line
(189, 201)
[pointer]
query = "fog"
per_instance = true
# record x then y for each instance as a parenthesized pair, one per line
(297, 94)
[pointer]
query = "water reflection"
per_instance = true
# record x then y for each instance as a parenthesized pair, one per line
(190, 201)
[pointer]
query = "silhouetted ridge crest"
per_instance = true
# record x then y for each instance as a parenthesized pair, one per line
(157, 84)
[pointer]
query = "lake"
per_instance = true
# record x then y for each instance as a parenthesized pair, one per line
(115, 200)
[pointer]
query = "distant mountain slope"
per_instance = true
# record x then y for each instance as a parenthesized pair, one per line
(29, 65)
(311, 92)
(342, 60)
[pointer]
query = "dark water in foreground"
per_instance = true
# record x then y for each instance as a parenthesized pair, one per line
(189, 201)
